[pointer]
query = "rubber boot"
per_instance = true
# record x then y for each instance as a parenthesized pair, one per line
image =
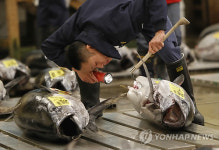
(89, 93)
(160, 69)
(180, 67)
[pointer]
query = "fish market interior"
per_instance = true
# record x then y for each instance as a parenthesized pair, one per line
(40, 102)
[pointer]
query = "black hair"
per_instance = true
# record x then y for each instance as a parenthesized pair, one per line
(74, 54)
(77, 54)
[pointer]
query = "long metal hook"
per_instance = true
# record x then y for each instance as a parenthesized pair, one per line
(150, 97)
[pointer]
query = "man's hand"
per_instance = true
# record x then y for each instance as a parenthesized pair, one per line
(86, 76)
(157, 42)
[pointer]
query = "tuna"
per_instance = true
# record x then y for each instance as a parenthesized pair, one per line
(52, 114)
(12, 69)
(162, 102)
(59, 78)
(36, 61)
(207, 48)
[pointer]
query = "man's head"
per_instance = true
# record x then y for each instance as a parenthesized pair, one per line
(84, 57)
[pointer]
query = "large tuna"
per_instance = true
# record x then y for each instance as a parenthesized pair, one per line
(12, 69)
(53, 114)
(162, 102)
(56, 77)
(207, 48)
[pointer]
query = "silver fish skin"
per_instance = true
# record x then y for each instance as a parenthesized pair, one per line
(10, 67)
(57, 77)
(2, 90)
(165, 95)
(51, 114)
(207, 48)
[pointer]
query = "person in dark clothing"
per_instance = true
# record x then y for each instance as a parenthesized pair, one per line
(51, 14)
(155, 64)
(98, 26)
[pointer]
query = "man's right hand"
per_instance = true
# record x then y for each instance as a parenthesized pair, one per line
(156, 43)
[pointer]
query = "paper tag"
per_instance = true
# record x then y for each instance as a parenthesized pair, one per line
(58, 101)
(177, 90)
(157, 81)
(216, 35)
(56, 73)
(10, 63)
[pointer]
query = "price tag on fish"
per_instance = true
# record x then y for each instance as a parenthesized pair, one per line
(58, 101)
(216, 35)
(56, 73)
(10, 63)
(177, 90)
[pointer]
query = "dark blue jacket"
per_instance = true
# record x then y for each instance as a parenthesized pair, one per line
(104, 24)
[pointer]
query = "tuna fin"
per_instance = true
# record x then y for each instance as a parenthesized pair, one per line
(179, 80)
(96, 110)
(92, 125)
(14, 82)
(48, 89)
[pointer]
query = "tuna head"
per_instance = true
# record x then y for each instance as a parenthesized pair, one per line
(51, 114)
(139, 93)
(171, 106)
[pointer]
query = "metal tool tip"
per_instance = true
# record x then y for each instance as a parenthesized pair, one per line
(133, 69)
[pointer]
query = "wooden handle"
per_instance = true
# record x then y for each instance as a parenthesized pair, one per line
(182, 21)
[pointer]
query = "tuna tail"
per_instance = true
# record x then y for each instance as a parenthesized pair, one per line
(96, 110)
(13, 83)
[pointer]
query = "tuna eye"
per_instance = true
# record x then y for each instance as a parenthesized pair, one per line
(137, 85)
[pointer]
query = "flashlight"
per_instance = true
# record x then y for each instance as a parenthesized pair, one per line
(103, 77)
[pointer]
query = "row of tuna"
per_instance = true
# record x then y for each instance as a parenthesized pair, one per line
(51, 109)
(49, 106)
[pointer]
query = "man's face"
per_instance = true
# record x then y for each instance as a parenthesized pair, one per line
(97, 60)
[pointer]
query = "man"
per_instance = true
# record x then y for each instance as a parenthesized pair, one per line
(155, 64)
(98, 26)
(174, 15)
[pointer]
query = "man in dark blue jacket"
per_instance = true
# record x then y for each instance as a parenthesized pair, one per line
(98, 26)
